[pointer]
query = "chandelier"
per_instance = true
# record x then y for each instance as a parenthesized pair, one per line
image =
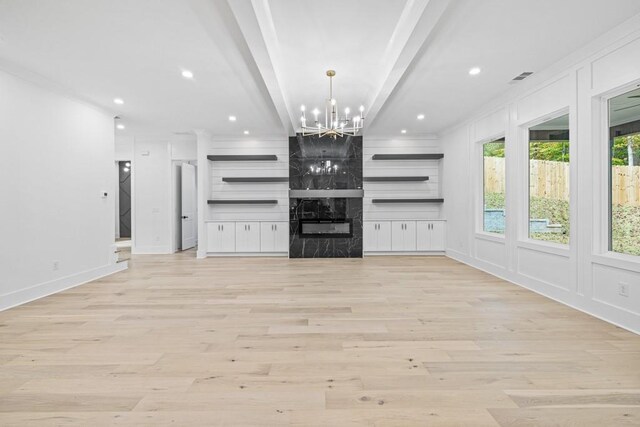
(334, 125)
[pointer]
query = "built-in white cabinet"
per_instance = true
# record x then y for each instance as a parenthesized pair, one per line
(377, 236)
(247, 237)
(403, 236)
(274, 236)
(221, 237)
(430, 235)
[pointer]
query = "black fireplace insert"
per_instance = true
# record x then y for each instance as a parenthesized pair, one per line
(326, 228)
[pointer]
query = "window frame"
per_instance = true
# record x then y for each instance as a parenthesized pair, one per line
(605, 231)
(480, 231)
(524, 238)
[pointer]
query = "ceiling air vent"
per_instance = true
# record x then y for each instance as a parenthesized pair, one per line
(521, 76)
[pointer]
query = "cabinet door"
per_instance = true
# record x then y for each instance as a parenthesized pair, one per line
(423, 235)
(281, 232)
(267, 237)
(397, 235)
(438, 238)
(247, 237)
(221, 237)
(213, 237)
(370, 236)
(409, 236)
(228, 237)
(384, 236)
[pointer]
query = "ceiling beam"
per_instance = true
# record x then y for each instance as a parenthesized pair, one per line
(256, 23)
(413, 30)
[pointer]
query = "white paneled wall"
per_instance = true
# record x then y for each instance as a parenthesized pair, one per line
(584, 274)
(249, 190)
(401, 190)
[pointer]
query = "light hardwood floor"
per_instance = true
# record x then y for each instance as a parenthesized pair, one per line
(385, 341)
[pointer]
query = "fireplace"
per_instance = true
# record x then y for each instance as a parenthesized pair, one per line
(325, 197)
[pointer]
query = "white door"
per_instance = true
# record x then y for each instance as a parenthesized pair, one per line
(282, 236)
(221, 237)
(410, 236)
(267, 237)
(384, 236)
(397, 235)
(248, 237)
(189, 206)
(438, 239)
(423, 235)
(370, 236)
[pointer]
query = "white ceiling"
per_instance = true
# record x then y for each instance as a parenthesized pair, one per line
(260, 59)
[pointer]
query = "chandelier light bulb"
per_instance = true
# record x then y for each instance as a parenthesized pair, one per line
(362, 108)
(346, 111)
(302, 108)
(333, 101)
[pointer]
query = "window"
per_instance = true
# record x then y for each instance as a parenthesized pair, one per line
(549, 181)
(493, 186)
(624, 173)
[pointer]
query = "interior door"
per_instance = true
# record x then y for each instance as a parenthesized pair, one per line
(189, 206)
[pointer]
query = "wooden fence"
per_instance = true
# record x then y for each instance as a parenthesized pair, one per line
(551, 180)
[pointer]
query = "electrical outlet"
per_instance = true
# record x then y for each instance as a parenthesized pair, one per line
(56, 265)
(623, 289)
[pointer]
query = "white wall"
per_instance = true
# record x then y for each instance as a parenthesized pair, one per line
(57, 159)
(583, 275)
(153, 191)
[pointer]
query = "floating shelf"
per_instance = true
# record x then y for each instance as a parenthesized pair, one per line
(408, 156)
(407, 200)
(396, 178)
(236, 158)
(242, 202)
(257, 179)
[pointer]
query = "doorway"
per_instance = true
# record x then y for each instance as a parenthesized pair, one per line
(123, 210)
(185, 215)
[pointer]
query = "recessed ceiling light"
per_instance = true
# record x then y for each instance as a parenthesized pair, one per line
(120, 126)
(246, 132)
(232, 118)
(474, 71)
(420, 116)
(187, 74)
(118, 101)
(403, 131)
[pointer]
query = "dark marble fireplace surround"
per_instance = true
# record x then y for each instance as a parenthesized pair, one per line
(324, 225)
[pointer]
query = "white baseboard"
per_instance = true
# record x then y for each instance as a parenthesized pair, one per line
(54, 286)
